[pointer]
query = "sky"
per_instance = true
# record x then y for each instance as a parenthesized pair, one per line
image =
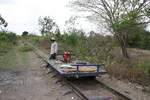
(22, 15)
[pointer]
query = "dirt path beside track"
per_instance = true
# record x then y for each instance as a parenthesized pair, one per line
(29, 82)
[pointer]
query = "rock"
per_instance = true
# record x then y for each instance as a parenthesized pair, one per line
(0, 92)
(72, 98)
(101, 98)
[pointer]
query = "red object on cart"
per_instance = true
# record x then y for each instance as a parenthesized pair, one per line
(67, 56)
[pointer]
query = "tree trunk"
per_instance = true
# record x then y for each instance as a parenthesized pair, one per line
(124, 51)
(124, 47)
(122, 41)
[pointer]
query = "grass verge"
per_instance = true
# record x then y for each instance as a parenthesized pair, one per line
(25, 48)
(8, 60)
(14, 58)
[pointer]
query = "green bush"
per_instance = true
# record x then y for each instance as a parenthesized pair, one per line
(140, 39)
(4, 46)
(72, 39)
(35, 39)
(6, 41)
(8, 37)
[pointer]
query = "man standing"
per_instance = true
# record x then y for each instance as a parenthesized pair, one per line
(54, 49)
(53, 52)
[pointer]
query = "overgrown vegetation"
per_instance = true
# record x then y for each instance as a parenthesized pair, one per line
(7, 52)
(140, 39)
(8, 60)
(7, 40)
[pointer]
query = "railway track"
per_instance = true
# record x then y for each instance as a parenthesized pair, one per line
(91, 89)
(88, 89)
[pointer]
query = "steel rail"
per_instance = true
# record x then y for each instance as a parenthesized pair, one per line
(75, 89)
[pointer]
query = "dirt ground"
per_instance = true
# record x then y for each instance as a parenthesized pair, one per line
(133, 91)
(29, 82)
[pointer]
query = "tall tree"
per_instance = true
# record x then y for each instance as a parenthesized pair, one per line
(121, 17)
(71, 24)
(46, 25)
(25, 33)
(3, 22)
(57, 32)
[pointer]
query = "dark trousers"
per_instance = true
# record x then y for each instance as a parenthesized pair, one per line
(52, 56)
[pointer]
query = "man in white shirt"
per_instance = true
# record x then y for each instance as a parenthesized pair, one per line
(54, 49)
(53, 53)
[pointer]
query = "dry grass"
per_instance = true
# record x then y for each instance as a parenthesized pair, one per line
(121, 71)
(136, 69)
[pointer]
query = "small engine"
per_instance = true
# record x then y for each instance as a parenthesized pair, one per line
(67, 56)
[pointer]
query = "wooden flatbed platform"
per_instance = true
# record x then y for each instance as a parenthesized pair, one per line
(77, 70)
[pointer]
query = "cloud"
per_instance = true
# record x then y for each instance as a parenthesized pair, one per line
(22, 15)
(2, 2)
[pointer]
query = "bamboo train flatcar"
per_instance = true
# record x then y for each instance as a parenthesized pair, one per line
(77, 70)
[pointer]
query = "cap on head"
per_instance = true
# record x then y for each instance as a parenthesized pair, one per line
(53, 39)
